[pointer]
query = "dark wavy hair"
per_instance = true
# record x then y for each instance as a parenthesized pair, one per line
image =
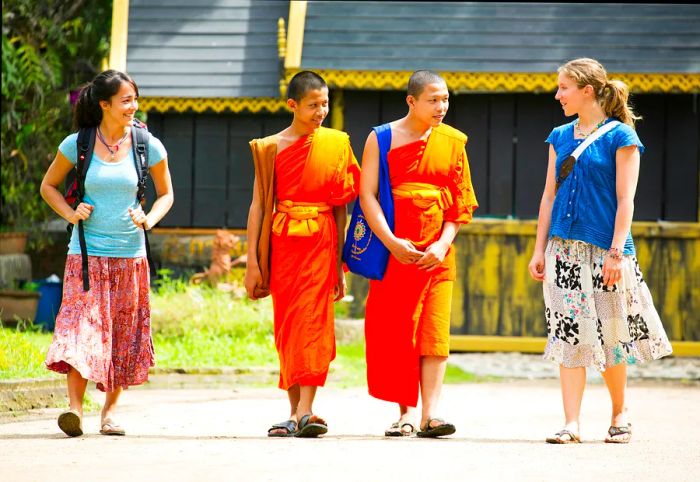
(87, 112)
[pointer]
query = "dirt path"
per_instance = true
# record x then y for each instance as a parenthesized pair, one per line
(219, 434)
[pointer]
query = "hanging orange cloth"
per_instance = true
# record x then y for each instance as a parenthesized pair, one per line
(408, 311)
(311, 176)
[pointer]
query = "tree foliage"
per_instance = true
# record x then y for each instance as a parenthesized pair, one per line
(49, 47)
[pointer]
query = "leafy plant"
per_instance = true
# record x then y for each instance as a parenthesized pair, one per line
(48, 48)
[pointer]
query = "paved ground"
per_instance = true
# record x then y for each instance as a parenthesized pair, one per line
(218, 434)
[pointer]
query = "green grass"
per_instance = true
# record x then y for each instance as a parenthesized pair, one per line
(22, 354)
(199, 327)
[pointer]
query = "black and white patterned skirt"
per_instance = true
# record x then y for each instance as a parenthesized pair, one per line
(593, 325)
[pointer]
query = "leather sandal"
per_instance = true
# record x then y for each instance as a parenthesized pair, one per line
(110, 427)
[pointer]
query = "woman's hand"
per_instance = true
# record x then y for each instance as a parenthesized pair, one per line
(536, 267)
(139, 218)
(612, 271)
(81, 213)
(433, 256)
(404, 251)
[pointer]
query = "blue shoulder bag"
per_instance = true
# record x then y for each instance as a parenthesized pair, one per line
(363, 252)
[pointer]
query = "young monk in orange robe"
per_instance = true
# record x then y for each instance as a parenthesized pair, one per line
(407, 320)
(304, 177)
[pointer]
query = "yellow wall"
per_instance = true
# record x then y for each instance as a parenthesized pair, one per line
(494, 294)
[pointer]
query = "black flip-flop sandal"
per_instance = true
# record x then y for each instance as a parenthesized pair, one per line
(289, 425)
(615, 431)
(440, 431)
(310, 430)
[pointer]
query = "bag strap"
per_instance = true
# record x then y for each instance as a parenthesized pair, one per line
(139, 143)
(383, 133)
(86, 147)
(591, 138)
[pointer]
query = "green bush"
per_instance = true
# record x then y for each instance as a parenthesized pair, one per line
(49, 47)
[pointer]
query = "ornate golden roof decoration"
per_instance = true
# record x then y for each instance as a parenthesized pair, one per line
(215, 104)
(472, 82)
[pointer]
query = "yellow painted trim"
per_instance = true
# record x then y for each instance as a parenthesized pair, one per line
(528, 227)
(120, 33)
(215, 104)
(473, 82)
(537, 344)
(295, 34)
(195, 231)
(338, 110)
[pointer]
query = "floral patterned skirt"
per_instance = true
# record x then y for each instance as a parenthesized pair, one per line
(104, 333)
(593, 325)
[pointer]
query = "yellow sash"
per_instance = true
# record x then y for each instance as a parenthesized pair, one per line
(302, 217)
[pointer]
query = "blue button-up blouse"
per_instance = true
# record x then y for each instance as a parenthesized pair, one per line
(586, 202)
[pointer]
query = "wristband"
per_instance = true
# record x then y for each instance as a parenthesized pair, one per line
(615, 253)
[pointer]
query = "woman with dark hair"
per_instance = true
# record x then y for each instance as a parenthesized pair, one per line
(103, 333)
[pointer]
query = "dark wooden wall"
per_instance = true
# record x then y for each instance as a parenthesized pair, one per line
(212, 169)
(211, 165)
(508, 155)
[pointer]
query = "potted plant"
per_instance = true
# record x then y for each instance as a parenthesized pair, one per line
(19, 303)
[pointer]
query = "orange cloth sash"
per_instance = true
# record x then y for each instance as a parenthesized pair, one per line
(302, 217)
(424, 195)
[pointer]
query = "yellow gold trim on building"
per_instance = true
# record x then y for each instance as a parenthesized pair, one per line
(463, 82)
(213, 104)
(338, 110)
(536, 345)
(120, 33)
(295, 34)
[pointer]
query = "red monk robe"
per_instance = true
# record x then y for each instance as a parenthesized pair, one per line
(311, 176)
(408, 312)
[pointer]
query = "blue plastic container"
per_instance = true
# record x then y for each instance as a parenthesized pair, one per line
(49, 303)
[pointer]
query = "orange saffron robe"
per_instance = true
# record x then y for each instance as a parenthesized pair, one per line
(311, 176)
(407, 313)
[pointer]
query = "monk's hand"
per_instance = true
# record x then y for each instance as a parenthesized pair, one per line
(404, 251)
(341, 286)
(253, 283)
(433, 256)
(536, 267)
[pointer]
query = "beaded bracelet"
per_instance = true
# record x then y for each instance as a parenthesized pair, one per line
(615, 253)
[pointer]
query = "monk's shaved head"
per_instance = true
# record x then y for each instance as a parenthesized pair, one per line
(303, 82)
(420, 78)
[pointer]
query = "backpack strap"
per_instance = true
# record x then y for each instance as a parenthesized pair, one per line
(86, 147)
(139, 143)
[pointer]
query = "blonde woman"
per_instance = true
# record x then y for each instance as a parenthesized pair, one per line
(598, 308)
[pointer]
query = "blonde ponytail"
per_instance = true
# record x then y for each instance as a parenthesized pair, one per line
(614, 101)
(612, 95)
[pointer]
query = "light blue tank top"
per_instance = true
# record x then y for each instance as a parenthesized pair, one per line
(111, 188)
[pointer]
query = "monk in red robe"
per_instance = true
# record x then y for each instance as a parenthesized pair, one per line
(304, 177)
(407, 321)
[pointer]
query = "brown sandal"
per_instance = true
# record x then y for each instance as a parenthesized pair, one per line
(559, 438)
(110, 427)
(615, 431)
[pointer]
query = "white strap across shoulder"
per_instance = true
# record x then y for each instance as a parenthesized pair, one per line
(589, 140)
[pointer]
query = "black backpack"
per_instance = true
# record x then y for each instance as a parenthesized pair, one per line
(76, 191)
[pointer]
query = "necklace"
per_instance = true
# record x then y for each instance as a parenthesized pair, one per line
(112, 153)
(581, 133)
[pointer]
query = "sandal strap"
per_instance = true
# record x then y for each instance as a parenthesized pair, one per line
(572, 436)
(427, 425)
(614, 431)
(288, 425)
